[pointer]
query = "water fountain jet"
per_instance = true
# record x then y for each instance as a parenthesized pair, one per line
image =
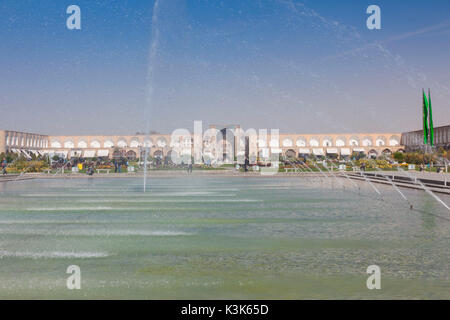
(425, 188)
(150, 75)
(395, 187)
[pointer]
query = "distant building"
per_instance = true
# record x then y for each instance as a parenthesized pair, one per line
(23, 143)
(413, 140)
(246, 144)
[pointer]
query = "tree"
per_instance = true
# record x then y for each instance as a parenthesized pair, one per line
(9, 156)
(413, 157)
(358, 155)
(398, 156)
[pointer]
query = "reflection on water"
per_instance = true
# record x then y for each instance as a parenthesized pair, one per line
(219, 238)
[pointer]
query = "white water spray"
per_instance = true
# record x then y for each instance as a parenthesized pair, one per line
(331, 172)
(425, 188)
(395, 187)
(345, 175)
(150, 79)
(307, 167)
(368, 181)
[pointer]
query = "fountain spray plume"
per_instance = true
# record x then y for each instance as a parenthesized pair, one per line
(293, 164)
(353, 182)
(348, 178)
(332, 173)
(367, 180)
(298, 166)
(150, 79)
(315, 165)
(12, 163)
(62, 168)
(425, 188)
(23, 172)
(395, 187)
(307, 167)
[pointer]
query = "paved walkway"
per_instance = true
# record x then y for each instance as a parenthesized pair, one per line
(418, 174)
(416, 180)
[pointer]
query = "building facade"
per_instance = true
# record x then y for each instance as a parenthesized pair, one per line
(23, 143)
(413, 140)
(232, 142)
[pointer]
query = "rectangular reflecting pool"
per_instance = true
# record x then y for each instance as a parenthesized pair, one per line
(220, 238)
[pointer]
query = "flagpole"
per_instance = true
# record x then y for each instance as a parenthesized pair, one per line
(425, 118)
(431, 134)
(430, 158)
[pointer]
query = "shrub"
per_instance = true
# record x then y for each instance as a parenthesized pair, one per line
(29, 166)
(398, 156)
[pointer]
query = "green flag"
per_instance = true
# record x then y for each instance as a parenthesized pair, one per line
(430, 117)
(425, 118)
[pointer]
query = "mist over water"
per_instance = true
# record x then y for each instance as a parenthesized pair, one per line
(152, 60)
(150, 79)
(155, 66)
(282, 238)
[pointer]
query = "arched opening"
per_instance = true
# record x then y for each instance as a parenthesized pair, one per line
(381, 141)
(287, 143)
(69, 144)
(394, 141)
(387, 152)
(354, 141)
(373, 154)
(301, 142)
(172, 156)
(327, 142)
(134, 143)
(161, 142)
(158, 154)
(95, 144)
(314, 142)
(108, 144)
(55, 144)
(341, 142)
(367, 142)
(131, 155)
(291, 154)
(122, 143)
(82, 144)
(117, 154)
(142, 154)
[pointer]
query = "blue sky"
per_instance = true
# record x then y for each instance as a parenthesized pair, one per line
(300, 66)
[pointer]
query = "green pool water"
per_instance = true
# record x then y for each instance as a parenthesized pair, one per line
(220, 238)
